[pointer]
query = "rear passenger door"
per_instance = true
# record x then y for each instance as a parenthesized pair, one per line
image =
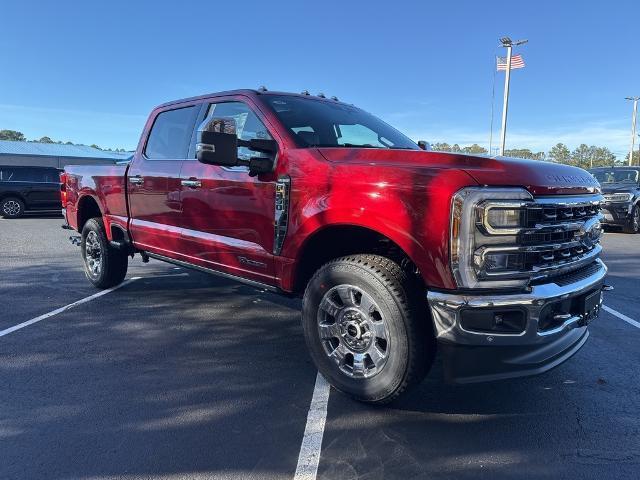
(153, 181)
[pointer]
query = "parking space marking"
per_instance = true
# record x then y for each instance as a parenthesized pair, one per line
(621, 316)
(311, 446)
(9, 330)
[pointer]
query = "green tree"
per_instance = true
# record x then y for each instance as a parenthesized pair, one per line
(560, 153)
(524, 153)
(475, 149)
(636, 158)
(12, 135)
(602, 157)
(441, 147)
(456, 148)
(581, 156)
(93, 145)
(45, 140)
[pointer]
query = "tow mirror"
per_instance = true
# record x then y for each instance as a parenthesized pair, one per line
(217, 142)
(424, 145)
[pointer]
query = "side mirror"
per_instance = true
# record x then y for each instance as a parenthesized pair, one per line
(217, 142)
(424, 145)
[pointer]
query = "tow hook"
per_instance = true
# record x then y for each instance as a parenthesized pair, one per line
(75, 240)
(607, 288)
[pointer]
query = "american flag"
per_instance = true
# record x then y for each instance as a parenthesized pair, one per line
(516, 62)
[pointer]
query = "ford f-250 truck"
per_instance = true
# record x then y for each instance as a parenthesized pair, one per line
(397, 252)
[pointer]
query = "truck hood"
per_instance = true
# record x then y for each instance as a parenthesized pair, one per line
(539, 177)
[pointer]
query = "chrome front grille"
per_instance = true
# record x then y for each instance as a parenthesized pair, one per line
(541, 215)
(556, 235)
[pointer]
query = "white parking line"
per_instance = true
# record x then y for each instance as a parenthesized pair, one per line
(9, 330)
(621, 316)
(309, 457)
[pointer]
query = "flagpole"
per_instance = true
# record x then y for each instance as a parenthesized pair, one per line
(493, 101)
(506, 42)
(633, 127)
(505, 101)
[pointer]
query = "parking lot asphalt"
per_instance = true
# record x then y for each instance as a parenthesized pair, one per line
(184, 375)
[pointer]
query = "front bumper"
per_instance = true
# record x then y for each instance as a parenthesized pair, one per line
(476, 356)
(618, 214)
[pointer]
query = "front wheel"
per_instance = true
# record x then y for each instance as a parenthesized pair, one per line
(11, 207)
(367, 328)
(634, 222)
(104, 265)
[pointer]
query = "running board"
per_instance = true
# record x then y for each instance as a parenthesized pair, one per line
(229, 276)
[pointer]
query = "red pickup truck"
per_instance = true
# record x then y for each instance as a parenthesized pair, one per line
(397, 252)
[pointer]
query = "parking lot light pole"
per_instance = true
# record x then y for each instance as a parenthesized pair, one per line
(508, 44)
(633, 126)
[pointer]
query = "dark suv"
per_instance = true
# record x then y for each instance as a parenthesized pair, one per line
(28, 188)
(621, 189)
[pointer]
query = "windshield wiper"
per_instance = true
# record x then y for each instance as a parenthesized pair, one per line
(342, 145)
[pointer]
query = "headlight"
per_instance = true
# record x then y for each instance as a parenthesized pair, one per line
(618, 197)
(498, 217)
(497, 212)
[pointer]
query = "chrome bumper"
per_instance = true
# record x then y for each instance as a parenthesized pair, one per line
(505, 355)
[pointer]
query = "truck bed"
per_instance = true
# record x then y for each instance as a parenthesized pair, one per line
(106, 185)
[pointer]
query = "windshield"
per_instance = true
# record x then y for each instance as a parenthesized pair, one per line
(616, 176)
(319, 123)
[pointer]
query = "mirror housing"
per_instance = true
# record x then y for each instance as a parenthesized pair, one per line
(217, 144)
(424, 145)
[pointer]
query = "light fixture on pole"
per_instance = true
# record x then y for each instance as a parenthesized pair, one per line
(508, 44)
(633, 126)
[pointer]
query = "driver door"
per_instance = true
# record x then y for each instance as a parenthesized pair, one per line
(228, 216)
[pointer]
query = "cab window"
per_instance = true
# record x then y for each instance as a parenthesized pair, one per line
(170, 134)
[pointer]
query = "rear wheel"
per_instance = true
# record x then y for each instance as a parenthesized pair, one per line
(367, 328)
(634, 222)
(104, 265)
(11, 207)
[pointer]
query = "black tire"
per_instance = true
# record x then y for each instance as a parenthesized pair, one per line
(112, 262)
(398, 300)
(634, 221)
(11, 207)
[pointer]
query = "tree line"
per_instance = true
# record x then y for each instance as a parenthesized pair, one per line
(17, 136)
(583, 156)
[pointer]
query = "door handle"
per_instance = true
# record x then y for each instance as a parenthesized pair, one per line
(191, 183)
(136, 180)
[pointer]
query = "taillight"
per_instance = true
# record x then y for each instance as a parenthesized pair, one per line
(63, 189)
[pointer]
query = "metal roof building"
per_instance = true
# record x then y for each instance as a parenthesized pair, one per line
(34, 154)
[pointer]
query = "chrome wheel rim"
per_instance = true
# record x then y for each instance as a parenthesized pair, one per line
(11, 207)
(353, 331)
(93, 254)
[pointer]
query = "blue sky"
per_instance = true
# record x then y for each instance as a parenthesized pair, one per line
(90, 72)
